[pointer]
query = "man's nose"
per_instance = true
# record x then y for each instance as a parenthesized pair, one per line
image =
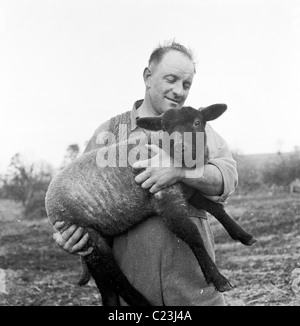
(178, 90)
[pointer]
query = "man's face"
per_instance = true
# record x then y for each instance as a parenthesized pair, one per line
(169, 82)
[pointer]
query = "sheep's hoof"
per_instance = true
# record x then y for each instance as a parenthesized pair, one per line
(244, 238)
(224, 286)
(220, 282)
(248, 241)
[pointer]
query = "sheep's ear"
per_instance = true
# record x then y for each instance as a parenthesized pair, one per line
(212, 112)
(150, 123)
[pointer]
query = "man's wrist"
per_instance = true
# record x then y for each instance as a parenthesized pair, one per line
(208, 179)
(187, 174)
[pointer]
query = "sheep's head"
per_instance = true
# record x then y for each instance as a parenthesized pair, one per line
(183, 129)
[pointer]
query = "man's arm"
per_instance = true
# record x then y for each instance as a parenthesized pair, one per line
(220, 158)
(210, 181)
(217, 181)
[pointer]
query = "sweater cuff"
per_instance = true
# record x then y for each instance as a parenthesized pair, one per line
(227, 167)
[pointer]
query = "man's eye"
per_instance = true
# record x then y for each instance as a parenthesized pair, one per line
(187, 86)
(171, 80)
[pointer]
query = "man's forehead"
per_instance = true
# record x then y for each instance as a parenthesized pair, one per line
(176, 62)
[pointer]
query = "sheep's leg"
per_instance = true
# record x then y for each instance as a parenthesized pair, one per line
(173, 208)
(187, 231)
(109, 278)
(217, 210)
(85, 274)
(109, 296)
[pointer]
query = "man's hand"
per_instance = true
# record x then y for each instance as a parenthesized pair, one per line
(160, 171)
(71, 239)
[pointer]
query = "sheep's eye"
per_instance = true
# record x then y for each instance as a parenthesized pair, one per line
(197, 123)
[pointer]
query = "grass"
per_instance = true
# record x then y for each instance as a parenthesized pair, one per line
(34, 271)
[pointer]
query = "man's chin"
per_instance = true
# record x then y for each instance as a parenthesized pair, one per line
(173, 105)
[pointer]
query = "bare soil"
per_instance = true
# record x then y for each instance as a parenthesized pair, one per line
(35, 272)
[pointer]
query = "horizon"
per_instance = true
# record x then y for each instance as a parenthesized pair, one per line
(28, 161)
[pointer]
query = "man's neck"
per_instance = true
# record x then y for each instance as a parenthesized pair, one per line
(146, 110)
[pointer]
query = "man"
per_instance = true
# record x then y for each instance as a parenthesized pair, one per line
(157, 263)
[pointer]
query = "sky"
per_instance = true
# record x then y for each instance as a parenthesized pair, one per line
(66, 66)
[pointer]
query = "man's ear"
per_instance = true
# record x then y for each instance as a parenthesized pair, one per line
(147, 76)
(212, 112)
(150, 123)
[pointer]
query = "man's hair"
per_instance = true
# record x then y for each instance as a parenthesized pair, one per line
(159, 52)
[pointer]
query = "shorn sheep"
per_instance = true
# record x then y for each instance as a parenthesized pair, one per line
(107, 201)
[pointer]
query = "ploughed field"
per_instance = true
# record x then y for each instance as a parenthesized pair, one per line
(34, 271)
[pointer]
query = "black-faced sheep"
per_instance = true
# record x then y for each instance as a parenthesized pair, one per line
(107, 201)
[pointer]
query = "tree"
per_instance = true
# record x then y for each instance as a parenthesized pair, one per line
(27, 183)
(249, 175)
(18, 179)
(284, 170)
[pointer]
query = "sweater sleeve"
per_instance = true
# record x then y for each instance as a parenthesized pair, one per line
(220, 156)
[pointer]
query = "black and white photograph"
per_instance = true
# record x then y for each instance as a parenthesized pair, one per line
(150, 155)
